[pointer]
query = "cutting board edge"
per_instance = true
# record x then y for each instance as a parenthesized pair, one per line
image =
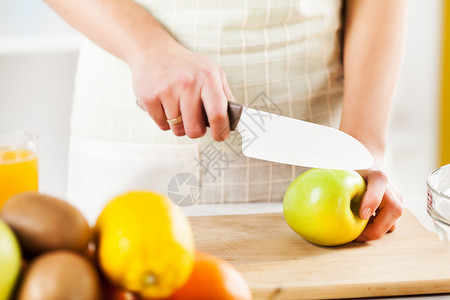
(344, 291)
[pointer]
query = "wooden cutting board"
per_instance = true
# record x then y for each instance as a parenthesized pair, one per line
(279, 264)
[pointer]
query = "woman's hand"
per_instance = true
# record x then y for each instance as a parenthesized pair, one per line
(169, 80)
(373, 44)
(172, 81)
(382, 203)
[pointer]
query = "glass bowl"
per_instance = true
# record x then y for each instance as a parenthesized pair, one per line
(438, 202)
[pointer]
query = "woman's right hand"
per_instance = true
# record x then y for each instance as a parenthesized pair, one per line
(170, 81)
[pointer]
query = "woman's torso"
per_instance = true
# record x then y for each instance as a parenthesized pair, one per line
(282, 56)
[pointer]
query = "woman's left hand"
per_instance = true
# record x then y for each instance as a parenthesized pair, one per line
(374, 34)
(382, 203)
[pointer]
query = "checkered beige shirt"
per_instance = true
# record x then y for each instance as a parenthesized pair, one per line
(279, 55)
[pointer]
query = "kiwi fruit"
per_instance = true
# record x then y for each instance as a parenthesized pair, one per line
(43, 223)
(60, 275)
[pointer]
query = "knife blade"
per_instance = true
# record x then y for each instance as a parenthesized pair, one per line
(276, 138)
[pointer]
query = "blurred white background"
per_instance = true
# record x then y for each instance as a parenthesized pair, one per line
(38, 54)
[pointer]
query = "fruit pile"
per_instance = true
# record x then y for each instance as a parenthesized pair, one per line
(141, 247)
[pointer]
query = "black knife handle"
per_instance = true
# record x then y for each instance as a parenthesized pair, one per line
(234, 114)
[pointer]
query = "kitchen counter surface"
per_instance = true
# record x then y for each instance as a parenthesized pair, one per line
(259, 208)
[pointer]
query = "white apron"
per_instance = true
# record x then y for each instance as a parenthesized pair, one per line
(279, 55)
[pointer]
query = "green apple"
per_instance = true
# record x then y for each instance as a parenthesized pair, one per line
(323, 206)
(10, 258)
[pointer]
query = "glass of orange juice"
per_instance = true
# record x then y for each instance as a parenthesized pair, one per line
(18, 163)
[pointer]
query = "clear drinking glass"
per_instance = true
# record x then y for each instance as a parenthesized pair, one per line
(18, 163)
(438, 202)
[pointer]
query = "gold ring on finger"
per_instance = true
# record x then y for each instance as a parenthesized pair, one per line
(175, 121)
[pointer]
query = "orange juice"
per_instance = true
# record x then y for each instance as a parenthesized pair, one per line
(18, 173)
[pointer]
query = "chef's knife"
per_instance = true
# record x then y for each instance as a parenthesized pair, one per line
(276, 138)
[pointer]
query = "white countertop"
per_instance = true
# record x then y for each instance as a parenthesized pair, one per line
(233, 209)
(259, 208)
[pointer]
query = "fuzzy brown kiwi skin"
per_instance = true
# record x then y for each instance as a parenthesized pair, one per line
(60, 275)
(43, 223)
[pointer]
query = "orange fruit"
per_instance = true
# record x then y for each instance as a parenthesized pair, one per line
(213, 278)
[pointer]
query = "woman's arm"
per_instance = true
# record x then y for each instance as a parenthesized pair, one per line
(121, 27)
(168, 79)
(373, 46)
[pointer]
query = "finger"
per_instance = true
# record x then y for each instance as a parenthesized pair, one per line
(393, 227)
(192, 111)
(226, 86)
(389, 213)
(399, 198)
(376, 187)
(361, 237)
(396, 193)
(156, 112)
(215, 103)
(172, 110)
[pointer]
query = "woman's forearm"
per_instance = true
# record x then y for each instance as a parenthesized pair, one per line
(373, 46)
(121, 27)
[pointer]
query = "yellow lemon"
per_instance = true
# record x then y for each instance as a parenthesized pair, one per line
(146, 244)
